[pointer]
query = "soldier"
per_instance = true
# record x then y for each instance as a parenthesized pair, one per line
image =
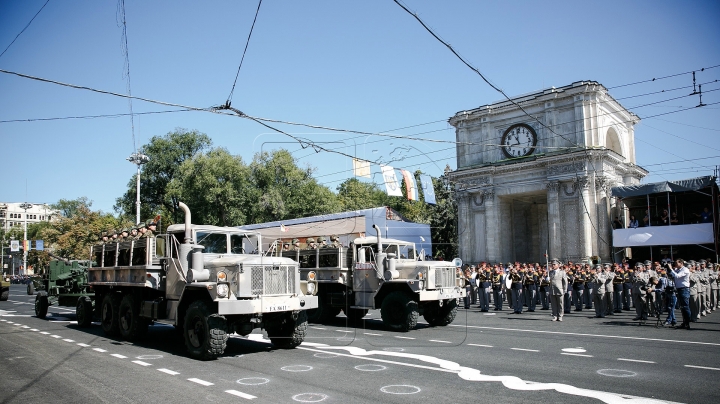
(618, 282)
(609, 289)
(567, 298)
(544, 289)
(627, 286)
(123, 236)
(558, 281)
(578, 287)
(151, 226)
(104, 237)
(640, 280)
(704, 289)
(335, 241)
(322, 242)
(133, 233)
(530, 283)
(286, 246)
(296, 244)
(694, 299)
(311, 245)
(112, 236)
(497, 285)
(142, 228)
(599, 293)
(516, 291)
(714, 286)
(484, 282)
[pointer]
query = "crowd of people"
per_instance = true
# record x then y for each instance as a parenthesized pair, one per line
(648, 288)
(664, 219)
(142, 230)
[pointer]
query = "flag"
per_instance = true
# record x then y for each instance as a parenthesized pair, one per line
(39, 245)
(410, 185)
(14, 245)
(361, 168)
(283, 228)
(391, 183)
(428, 188)
(26, 245)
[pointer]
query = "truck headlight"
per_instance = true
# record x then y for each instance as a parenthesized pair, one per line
(221, 276)
(222, 290)
(311, 276)
(421, 284)
(311, 288)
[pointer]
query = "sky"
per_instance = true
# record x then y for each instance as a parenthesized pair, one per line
(365, 66)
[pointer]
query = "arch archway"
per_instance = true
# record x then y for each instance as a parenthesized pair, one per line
(612, 141)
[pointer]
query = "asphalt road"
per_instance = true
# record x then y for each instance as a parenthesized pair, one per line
(496, 356)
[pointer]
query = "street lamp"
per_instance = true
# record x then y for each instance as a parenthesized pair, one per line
(139, 159)
(26, 245)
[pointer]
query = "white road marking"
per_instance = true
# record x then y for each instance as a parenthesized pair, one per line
(44, 333)
(34, 329)
(345, 330)
(170, 372)
(375, 335)
(400, 389)
(56, 336)
(99, 349)
(585, 335)
(634, 360)
(523, 349)
(318, 328)
(398, 336)
(575, 354)
(200, 381)
(440, 341)
(701, 367)
(240, 394)
(3, 320)
(119, 356)
(141, 363)
(68, 340)
(83, 345)
(481, 345)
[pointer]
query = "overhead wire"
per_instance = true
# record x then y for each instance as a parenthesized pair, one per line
(126, 67)
(93, 116)
(24, 28)
(664, 77)
(247, 42)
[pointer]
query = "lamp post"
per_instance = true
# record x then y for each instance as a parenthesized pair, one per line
(26, 245)
(138, 159)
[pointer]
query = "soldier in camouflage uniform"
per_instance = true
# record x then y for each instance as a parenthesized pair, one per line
(151, 227)
(296, 244)
(311, 245)
(322, 242)
(112, 236)
(141, 229)
(133, 233)
(335, 241)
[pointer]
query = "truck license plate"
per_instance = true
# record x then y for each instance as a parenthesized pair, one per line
(277, 307)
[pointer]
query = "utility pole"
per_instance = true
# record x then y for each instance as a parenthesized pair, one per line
(26, 245)
(139, 159)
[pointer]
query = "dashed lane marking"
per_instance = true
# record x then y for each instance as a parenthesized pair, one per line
(99, 349)
(68, 340)
(345, 330)
(240, 394)
(44, 333)
(374, 335)
(56, 336)
(481, 345)
(701, 367)
(634, 360)
(440, 341)
(34, 329)
(398, 336)
(170, 372)
(119, 356)
(83, 345)
(141, 363)
(319, 328)
(24, 326)
(575, 354)
(200, 381)
(523, 349)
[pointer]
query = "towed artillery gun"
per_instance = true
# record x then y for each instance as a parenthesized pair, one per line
(64, 283)
(380, 273)
(207, 281)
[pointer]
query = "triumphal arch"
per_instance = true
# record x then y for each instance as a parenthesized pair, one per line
(534, 174)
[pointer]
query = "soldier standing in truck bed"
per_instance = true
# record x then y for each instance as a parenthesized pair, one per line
(151, 226)
(310, 244)
(296, 244)
(335, 241)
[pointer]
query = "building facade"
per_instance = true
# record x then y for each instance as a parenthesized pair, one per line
(13, 214)
(534, 174)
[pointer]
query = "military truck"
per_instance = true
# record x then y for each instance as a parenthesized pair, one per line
(64, 283)
(207, 281)
(4, 287)
(380, 273)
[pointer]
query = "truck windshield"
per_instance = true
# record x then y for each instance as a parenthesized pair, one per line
(214, 243)
(243, 244)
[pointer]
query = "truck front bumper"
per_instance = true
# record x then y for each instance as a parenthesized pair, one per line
(442, 294)
(267, 304)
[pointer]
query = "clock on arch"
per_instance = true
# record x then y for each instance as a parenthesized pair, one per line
(519, 140)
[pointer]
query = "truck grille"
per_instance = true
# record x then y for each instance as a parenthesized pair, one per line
(444, 277)
(269, 280)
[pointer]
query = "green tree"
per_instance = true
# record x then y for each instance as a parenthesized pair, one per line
(443, 220)
(167, 153)
(215, 186)
(69, 207)
(354, 194)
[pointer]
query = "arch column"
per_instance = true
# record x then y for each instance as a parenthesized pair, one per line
(554, 221)
(585, 230)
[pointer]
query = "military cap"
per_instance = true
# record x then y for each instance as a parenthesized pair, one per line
(295, 241)
(112, 232)
(150, 222)
(607, 265)
(334, 238)
(104, 234)
(310, 240)
(141, 225)
(125, 230)
(555, 261)
(320, 239)
(639, 265)
(287, 243)
(647, 263)
(703, 262)
(597, 266)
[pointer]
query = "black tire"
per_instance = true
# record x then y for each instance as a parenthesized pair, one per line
(132, 326)
(84, 311)
(4, 295)
(109, 312)
(323, 313)
(399, 312)
(289, 333)
(30, 288)
(41, 305)
(355, 316)
(440, 316)
(205, 334)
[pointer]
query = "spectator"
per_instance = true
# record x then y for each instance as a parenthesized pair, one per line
(664, 218)
(646, 219)
(681, 277)
(633, 222)
(617, 224)
(705, 216)
(674, 219)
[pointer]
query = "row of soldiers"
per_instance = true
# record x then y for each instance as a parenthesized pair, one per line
(608, 288)
(311, 243)
(142, 230)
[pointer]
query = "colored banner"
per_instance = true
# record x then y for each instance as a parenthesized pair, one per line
(391, 183)
(410, 185)
(428, 188)
(361, 168)
(14, 245)
(26, 245)
(39, 245)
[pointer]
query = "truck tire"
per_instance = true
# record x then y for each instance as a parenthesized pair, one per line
(436, 315)
(30, 288)
(323, 313)
(399, 311)
(109, 314)
(290, 333)
(132, 327)
(84, 311)
(4, 295)
(41, 305)
(355, 316)
(205, 334)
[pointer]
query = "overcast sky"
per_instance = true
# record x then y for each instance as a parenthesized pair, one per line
(362, 65)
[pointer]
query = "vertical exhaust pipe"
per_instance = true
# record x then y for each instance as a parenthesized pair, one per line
(188, 222)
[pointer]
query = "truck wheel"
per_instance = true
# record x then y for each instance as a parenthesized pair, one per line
(440, 316)
(132, 326)
(205, 334)
(109, 314)
(41, 305)
(31, 288)
(399, 311)
(355, 316)
(290, 333)
(323, 313)
(84, 311)
(4, 295)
